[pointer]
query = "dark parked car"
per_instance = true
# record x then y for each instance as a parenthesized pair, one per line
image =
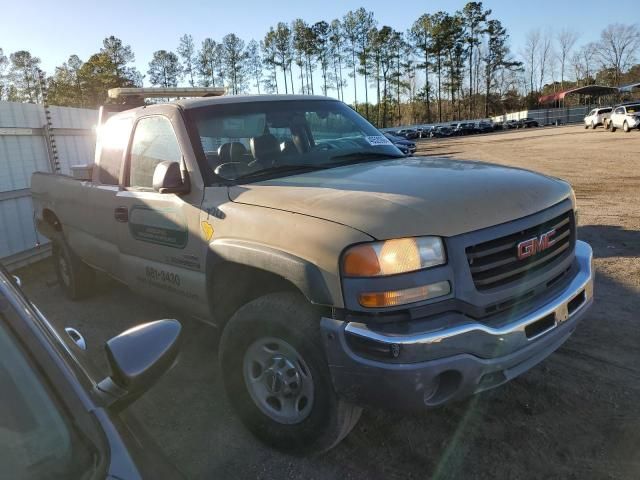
(405, 146)
(57, 420)
(464, 128)
(442, 131)
(407, 133)
(484, 127)
(527, 123)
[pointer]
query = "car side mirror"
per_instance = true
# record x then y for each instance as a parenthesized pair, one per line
(137, 358)
(169, 178)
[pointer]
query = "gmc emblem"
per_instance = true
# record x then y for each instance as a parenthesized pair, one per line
(536, 245)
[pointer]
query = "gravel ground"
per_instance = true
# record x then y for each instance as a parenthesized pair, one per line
(574, 416)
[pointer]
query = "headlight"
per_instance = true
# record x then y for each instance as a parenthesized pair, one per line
(393, 256)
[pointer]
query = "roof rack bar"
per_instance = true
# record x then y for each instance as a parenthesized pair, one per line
(165, 92)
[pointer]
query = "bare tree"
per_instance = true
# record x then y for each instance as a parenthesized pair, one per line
(530, 56)
(616, 49)
(566, 41)
(582, 62)
(545, 57)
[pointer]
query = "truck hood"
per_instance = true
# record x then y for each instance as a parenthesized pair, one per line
(411, 196)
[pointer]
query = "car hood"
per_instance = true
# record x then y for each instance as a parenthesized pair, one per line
(410, 196)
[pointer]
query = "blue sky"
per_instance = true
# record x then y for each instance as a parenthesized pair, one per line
(54, 29)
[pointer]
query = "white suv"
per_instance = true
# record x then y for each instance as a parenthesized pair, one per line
(597, 116)
(625, 117)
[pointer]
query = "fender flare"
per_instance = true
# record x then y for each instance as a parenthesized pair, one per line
(306, 276)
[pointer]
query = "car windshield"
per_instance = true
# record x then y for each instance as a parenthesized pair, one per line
(259, 139)
(633, 108)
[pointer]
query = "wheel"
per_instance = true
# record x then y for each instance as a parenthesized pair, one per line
(276, 376)
(625, 127)
(76, 278)
(593, 125)
(613, 127)
(586, 126)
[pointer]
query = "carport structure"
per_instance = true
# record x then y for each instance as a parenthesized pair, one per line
(587, 95)
(630, 88)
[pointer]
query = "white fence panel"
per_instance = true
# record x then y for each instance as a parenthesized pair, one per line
(24, 150)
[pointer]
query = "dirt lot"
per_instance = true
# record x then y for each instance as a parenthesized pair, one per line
(577, 415)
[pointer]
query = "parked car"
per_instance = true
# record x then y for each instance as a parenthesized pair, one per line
(464, 128)
(597, 116)
(484, 127)
(405, 146)
(626, 117)
(426, 131)
(441, 131)
(58, 417)
(511, 124)
(407, 133)
(340, 273)
(527, 123)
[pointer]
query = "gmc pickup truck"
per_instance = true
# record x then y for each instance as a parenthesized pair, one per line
(340, 272)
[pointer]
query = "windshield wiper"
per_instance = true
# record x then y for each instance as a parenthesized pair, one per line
(280, 169)
(358, 157)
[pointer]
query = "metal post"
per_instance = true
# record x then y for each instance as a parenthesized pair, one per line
(52, 148)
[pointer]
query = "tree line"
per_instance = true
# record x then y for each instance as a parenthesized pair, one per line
(446, 66)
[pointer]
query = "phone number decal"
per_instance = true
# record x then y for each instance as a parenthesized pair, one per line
(162, 276)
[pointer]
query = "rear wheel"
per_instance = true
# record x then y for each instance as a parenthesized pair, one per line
(76, 278)
(276, 376)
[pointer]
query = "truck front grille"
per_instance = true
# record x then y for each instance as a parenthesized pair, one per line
(495, 263)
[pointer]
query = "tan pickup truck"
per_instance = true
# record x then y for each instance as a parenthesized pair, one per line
(340, 272)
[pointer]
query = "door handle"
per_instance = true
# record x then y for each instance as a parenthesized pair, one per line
(121, 214)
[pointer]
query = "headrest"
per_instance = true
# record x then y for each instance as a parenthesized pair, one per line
(265, 148)
(231, 152)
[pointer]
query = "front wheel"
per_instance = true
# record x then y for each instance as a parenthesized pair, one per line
(276, 376)
(613, 127)
(625, 127)
(593, 125)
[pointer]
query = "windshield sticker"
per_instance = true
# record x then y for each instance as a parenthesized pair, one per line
(378, 140)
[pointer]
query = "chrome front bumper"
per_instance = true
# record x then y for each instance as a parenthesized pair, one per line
(486, 342)
(430, 368)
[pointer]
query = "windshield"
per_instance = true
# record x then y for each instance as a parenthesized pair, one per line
(633, 108)
(249, 141)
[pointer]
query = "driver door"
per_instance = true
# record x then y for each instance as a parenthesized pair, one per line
(158, 233)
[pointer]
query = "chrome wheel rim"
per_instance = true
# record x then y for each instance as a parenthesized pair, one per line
(278, 380)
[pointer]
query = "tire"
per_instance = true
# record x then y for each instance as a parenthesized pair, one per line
(613, 127)
(76, 278)
(586, 127)
(283, 325)
(625, 127)
(593, 126)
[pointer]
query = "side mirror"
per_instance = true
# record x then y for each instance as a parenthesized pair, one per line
(168, 178)
(137, 358)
